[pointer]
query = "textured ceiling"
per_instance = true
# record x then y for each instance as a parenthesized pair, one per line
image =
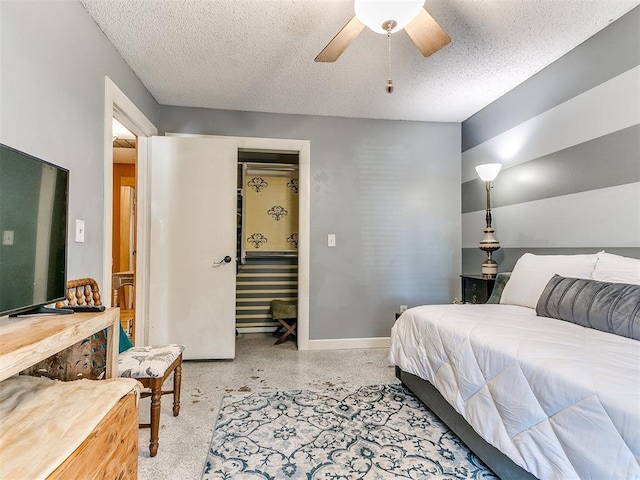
(257, 55)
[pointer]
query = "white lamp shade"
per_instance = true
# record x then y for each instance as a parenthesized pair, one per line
(374, 13)
(489, 171)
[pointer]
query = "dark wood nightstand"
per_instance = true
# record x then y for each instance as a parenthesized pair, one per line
(476, 288)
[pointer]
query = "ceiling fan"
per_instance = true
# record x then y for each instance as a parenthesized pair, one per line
(387, 17)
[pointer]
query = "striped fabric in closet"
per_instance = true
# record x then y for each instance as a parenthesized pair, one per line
(259, 281)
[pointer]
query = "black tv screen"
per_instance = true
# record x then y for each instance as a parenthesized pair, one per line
(33, 231)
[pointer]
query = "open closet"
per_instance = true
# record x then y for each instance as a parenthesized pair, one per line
(267, 236)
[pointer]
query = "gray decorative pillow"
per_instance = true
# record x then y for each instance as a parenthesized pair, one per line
(498, 287)
(609, 307)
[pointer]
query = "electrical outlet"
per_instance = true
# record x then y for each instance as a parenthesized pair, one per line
(80, 231)
(403, 308)
(7, 237)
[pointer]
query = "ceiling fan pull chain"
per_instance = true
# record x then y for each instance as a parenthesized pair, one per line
(389, 82)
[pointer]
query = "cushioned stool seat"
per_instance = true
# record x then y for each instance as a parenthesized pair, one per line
(151, 366)
(285, 312)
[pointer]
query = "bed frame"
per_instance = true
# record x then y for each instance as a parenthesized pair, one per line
(493, 458)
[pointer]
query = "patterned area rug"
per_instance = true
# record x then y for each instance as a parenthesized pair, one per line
(372, 433)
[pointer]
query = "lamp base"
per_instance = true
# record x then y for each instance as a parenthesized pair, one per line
(489, 268)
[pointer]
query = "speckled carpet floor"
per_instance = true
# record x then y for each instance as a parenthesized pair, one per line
(371, 432)
(259, 366)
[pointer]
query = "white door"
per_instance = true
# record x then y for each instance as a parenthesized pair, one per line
(193, 226)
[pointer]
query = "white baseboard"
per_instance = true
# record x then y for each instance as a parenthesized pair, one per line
(350, 343)
(256, 329)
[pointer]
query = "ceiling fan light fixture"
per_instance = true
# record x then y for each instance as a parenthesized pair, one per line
(376, 14)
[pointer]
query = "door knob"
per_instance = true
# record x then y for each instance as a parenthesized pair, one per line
(226, 259)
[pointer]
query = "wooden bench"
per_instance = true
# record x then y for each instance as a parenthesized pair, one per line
(149, 365)
(286, 313)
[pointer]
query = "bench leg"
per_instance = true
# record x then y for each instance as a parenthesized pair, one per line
(177, 382)
(156, 395)
(291, 330)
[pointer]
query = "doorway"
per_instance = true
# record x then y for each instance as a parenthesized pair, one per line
(125, 160)
(118, 105)
(302, 148)
(267, 247)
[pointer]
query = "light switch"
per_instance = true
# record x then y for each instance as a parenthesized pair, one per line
(80, 231)
(7, 237)
(331, 240)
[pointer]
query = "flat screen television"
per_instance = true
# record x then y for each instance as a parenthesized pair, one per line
(34, 200)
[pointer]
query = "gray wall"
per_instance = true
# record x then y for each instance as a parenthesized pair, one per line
(53, 62)
(389, 190)
(569, 139)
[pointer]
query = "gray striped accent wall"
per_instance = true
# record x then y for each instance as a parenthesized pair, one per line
(259, 281)
(569, 142)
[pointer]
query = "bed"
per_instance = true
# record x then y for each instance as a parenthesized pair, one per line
(535, 396)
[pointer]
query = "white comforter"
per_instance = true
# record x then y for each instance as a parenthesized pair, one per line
(560, 400)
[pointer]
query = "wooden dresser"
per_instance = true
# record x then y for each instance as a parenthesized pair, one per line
(111, 450)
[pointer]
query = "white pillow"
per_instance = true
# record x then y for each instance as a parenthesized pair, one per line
(617, 269)
(532, 273)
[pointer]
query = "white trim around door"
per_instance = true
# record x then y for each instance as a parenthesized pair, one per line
(118, 105)
(303, 149)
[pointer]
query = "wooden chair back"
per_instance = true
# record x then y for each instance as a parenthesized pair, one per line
(123, 284)
(84, 291)
(123, 294)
